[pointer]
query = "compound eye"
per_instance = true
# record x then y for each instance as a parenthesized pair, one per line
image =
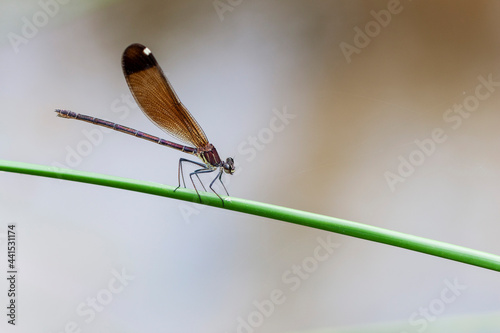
(229, 165)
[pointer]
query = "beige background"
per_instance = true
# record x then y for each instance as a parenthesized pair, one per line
(199, 269)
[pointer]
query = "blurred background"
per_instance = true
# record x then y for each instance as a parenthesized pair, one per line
(378, 112)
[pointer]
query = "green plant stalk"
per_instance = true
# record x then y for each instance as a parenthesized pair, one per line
(354, 229)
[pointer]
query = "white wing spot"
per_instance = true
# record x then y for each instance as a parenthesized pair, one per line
(146, 51)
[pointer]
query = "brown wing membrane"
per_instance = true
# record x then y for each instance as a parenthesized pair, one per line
(157, 98)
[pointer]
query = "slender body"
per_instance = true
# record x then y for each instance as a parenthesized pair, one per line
(159, 102)
(126, 130)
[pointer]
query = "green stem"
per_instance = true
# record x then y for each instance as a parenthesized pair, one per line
(363, 231)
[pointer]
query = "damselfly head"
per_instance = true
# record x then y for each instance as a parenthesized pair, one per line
(228, 166)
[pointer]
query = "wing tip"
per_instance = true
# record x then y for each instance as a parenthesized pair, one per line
(137, 58)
